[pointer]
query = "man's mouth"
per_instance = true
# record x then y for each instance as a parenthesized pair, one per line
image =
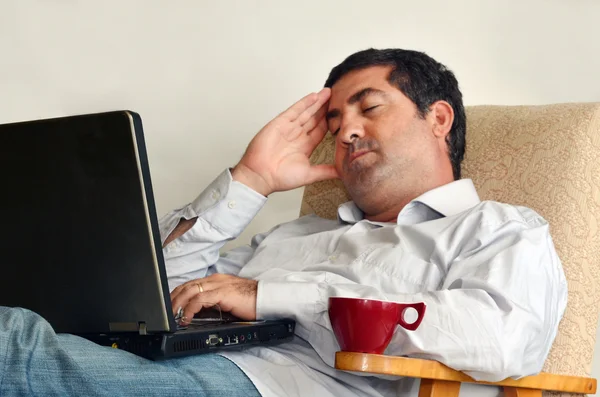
(356, 155)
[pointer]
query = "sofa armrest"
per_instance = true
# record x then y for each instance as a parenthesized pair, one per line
(444, 381)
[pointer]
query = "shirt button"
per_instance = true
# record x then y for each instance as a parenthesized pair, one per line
(332, 258)
(215, 195)
(231, 204)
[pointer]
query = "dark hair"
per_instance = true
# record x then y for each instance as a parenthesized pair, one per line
(423, 80)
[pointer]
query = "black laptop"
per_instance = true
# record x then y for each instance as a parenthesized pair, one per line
(81, 244)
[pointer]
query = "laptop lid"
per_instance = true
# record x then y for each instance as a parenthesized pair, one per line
(80, 233)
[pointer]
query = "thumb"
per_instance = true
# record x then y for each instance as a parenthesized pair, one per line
(322, 172)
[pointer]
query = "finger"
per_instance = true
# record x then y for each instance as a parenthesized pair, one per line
(322, 172)
(315, 119)
(316, 136)
(185, 293)
(204, 300)
(312, 110)
(186, 285)
(294, 111)
(310, 125)
(177, 291)
(297, 108)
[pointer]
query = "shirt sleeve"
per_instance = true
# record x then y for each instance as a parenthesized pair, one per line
(223, 211)
(495, 315)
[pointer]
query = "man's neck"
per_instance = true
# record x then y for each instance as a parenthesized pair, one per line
(389, 208)
(389, 215)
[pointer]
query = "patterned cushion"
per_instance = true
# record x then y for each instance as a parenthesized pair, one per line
(546, 158)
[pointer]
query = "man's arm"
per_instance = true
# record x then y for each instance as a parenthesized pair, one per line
(194, 234)
(277, 159)
(238, 173)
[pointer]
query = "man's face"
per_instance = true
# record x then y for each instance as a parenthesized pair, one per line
(381, 142)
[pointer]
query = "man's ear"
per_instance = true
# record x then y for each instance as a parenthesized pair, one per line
(442, 117)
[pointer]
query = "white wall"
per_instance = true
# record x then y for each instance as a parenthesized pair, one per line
(205, 76)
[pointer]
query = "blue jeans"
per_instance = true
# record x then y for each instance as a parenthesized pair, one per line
(36, 361)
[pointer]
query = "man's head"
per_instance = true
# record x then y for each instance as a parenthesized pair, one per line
(399, 123)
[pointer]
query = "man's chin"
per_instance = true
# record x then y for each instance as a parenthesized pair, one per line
(358, 187)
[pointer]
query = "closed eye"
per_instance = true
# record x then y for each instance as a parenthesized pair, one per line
(334, 133)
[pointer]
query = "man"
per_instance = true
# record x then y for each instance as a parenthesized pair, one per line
(493, 284)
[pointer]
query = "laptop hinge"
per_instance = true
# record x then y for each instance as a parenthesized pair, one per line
(142, 328)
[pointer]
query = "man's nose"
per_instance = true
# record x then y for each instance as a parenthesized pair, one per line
(351, 131)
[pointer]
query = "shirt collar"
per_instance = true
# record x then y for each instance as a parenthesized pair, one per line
(446, 200)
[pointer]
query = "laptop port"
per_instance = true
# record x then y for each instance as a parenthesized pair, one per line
(213, 340)
(232, 340)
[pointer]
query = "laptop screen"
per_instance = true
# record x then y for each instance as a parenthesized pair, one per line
(81, 245)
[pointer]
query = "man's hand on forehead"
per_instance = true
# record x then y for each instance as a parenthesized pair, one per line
(277, 159)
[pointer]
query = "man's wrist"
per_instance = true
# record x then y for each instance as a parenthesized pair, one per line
(242, 174)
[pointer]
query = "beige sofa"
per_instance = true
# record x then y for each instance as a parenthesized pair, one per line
(543, 157)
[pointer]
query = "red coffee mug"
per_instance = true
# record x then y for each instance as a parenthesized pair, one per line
(367, 325)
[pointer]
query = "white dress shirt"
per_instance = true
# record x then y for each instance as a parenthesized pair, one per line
(488, 272)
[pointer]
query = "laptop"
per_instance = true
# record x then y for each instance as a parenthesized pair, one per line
(81, 243)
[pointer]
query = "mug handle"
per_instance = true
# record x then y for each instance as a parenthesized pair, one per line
(419, 307)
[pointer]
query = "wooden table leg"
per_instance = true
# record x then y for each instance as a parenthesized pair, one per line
(520, 392)
(438, 388)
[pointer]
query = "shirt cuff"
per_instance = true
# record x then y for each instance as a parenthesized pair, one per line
(275, 299)
(227, 205)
